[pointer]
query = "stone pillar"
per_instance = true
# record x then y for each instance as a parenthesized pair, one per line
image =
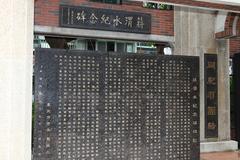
(223, 97)
(16, 50)
(195, 36)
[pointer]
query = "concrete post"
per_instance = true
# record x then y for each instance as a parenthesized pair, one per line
(223, 97)
(195, 35)
(16, 48)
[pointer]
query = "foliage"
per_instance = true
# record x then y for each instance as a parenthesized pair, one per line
(232, 85)
(152, 5)
(33, 119)
(33, 113)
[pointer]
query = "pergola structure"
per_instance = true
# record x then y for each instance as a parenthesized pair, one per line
(221, 5)
(228, 21)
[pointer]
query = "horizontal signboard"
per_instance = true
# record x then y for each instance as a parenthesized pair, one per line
(104, 19)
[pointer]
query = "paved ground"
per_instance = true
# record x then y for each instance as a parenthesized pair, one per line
(221, 156)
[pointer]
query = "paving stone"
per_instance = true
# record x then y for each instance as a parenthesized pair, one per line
(221, 156)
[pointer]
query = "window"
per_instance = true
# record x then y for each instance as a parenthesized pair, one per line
(109, 1)
(115, 46)
(130, 48)
(79, 44)
(91, 45)
(101, 46)
(111, 46)
(120, 47)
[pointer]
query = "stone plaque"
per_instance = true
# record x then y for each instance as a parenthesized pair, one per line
(211, 96)
(105, 106)
(104, 19)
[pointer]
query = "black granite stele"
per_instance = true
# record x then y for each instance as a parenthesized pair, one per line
(211, 95)
(105, 106)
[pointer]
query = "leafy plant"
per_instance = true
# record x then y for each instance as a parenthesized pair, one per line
(152, 5)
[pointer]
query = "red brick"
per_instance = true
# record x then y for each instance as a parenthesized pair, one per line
(234, 46)
(45, 13)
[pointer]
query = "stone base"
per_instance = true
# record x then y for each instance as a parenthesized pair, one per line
(218, 146)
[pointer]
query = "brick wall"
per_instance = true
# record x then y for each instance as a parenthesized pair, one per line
(47, 13)
(238, 27)
(234, 46)
(228, 30)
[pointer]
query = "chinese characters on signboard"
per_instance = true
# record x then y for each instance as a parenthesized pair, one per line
(211, 96)
(104, 19)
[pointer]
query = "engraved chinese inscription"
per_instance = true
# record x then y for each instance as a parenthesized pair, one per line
(99, 106)
(211, 91)
(105, 19)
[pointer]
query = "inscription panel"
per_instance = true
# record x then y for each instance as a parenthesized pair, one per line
(99, 106)
(104, 19)
(211, 95)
